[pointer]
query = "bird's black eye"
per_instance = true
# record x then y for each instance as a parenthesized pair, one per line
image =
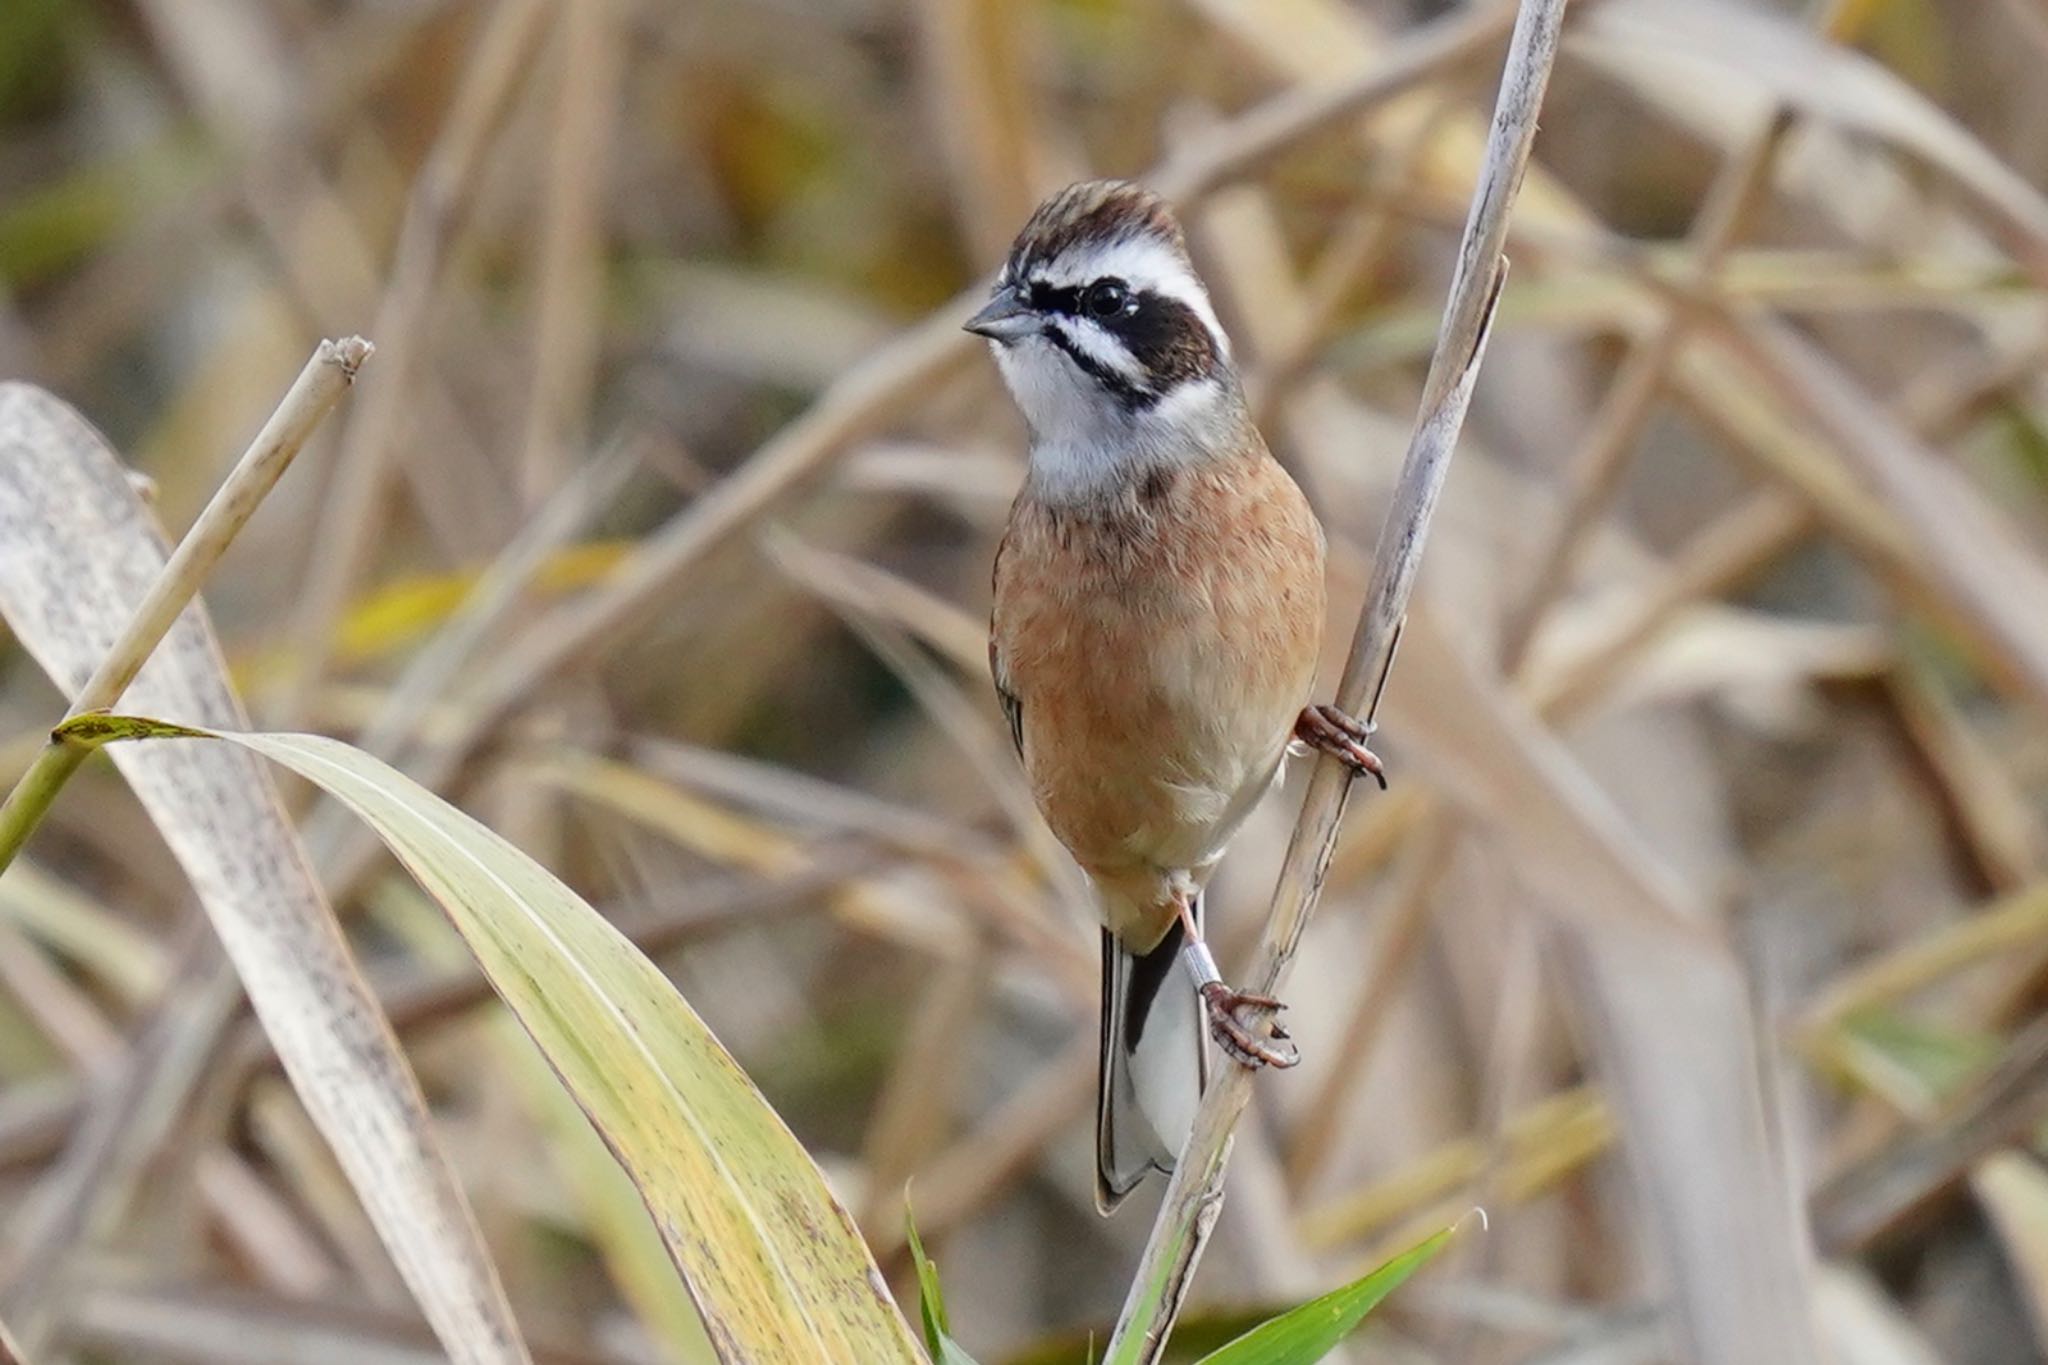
(1106, 299)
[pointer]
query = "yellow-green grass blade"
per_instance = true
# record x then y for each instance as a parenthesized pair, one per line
(931, 1301)
(613, 1216)
(79, 551)
(1306, 1334)
(774, 1263)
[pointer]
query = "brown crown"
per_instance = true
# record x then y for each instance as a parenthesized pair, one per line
(1094, 211)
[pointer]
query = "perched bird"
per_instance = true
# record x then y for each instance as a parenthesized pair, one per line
(1158, 618)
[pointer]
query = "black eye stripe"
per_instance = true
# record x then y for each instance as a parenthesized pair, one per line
(1048, 299)
(1072, 300)
(1168, 341)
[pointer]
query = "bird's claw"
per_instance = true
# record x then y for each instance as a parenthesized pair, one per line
(1330, 730)
(1238, 1038)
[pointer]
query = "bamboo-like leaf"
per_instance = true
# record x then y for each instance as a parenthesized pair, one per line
(1306, 1334)
(1911, 1062)
(931, 1301)
(613, 1215)
(774, 1262)
(78, 552)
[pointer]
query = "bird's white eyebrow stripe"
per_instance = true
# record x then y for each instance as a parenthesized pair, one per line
(1143, 263)
(1111, 374)
(1100, 346)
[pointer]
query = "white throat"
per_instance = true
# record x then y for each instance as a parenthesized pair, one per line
(1086, 447)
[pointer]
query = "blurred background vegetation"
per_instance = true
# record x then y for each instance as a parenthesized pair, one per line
(1703, 938)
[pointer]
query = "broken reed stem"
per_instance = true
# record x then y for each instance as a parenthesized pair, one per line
(1194, 1196)
(312, 396)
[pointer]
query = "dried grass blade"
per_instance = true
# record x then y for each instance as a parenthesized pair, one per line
(1668, 1013)
(78, 552)
(2013, 1189)
(772, 1259)
(1965, 557)
(10, 1350)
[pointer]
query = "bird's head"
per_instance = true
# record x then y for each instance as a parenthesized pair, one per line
(1105, 335)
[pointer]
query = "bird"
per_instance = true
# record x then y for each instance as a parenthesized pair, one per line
(1157, 622)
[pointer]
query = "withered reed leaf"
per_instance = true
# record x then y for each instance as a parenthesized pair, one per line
(78, 553)
(772, 1259)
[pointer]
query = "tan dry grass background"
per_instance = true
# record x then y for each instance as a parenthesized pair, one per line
(1707, 916)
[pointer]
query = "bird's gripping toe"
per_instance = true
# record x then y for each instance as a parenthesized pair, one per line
(1330, 730)
(1240, 1038)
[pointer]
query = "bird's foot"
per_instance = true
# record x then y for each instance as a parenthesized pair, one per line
(1331, 731)
(1239, 1038)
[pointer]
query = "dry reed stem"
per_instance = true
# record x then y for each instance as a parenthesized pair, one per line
(1246, 144)
(1356, 247)
(1723, 554)
(1854, 1208)
(1556, 1129)
(103, 1160)
(978, 65)
(914, 1108)
(260, 1226)
(2010, 1187)
(1194, 1195)
(570, 289)
(658, 924)
(326, 377)
(1962, 555)
(986, 750)
(207, 1325)
(2011, 923)
(159, 1080)
(261, 902)
(355, 494)
(2030, 21)
(342, 848)
(805, 800)
(1428, 856)
(967, 1176)
(56, 1005)
(10, 1351)
(1618, 424)
(1994, 823)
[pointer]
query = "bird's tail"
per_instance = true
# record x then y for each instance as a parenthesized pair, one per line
(1155, 1063)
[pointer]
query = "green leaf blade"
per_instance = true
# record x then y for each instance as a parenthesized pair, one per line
(772, 1260)
(931, 1301)
(1308, 1333)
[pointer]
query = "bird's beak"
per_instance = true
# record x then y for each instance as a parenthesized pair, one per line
(1006, 318)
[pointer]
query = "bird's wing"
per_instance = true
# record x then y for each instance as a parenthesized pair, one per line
(1013, 709)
